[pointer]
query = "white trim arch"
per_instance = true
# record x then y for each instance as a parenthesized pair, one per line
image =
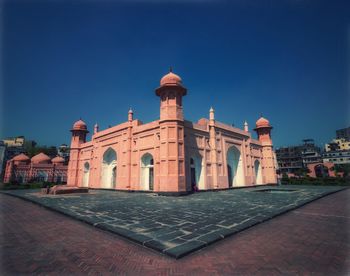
(235, 172)
(258, 172)
(147, 172)
(86, 174)
(42, 175)
(197, 172)
(109, 169)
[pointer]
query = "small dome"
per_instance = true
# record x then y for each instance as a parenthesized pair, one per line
(171, 79)
(41, 158)
(21, 157)
(57, 159)
(79, 125)
(262, 122)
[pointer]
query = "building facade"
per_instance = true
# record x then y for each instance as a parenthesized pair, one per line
(337, 157)
(22, 169)
(14, 141)
(293, 158)
(63, 151)
(343, 133)
(338, 150)
(171, 154)
(337, 145)
(2, 159)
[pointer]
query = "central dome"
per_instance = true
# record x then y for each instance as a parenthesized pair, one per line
(170, 79)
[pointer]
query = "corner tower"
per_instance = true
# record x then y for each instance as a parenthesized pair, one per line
(172, 151)
(79, 132)
(263, 129)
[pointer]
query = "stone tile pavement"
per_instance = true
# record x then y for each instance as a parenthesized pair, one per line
(311, 240)
(177, 226)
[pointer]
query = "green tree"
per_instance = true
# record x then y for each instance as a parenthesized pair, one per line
(342, 168)
(302, 172)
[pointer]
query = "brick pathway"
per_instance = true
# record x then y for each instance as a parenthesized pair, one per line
(311, 239)
(178, 226)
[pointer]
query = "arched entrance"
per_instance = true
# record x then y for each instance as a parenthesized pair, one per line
(109, 169)
(147, 172)
(229, 174)
(86, 174)
(21, 177)
(234, 167)
(42, 176)
(321, 171)
(196, 173)
(258, 173)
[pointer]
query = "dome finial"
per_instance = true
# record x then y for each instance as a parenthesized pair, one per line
(170, 69)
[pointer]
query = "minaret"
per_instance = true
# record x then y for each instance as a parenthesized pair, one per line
(128, 149)
(130, 115)
(246, 126)
(172, 150)
(170, 92)
(213, 152)
(96, 128)
(263, 129)
(79, 132)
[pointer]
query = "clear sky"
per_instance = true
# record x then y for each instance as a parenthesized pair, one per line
(285, 59)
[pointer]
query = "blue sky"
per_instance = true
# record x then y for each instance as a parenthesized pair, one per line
(285, 59)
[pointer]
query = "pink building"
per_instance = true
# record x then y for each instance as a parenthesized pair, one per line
(171, 154)
(41, 167)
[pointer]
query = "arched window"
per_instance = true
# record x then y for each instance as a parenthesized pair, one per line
(109, 169)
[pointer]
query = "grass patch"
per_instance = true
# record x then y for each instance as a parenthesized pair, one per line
(325, 181)
(34, 185)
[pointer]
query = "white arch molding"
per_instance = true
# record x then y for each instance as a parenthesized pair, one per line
(86, 174)
(235, 172)
(258, 172)
(109, 169)
(196, 170)
(42, 176)
(147, 172)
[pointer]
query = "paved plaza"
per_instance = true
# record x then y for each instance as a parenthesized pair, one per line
(311, 240)
(177, 226)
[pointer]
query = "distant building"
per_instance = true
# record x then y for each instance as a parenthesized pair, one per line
(293, 158)
(337, 157)
(22, 169)
(310, 153)
(63, 151)
(343, 133)
(338, 150)
(14, 141)
(338, 144)
(321, 169)
(2, 159)
(289, 159)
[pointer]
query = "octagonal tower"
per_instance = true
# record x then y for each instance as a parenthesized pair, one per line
(172, 150)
